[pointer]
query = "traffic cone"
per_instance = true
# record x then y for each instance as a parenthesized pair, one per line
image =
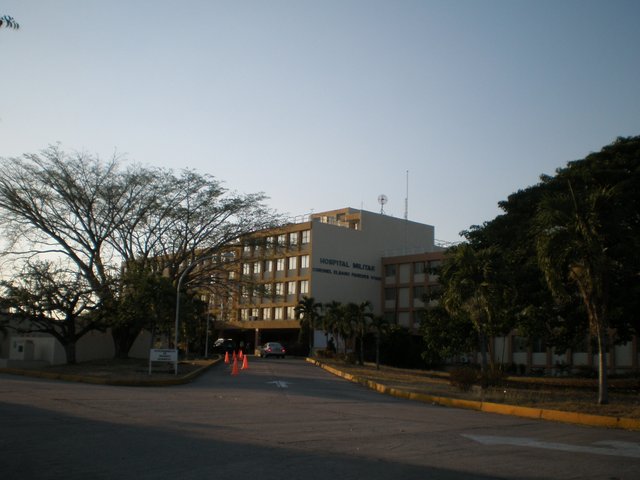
(234, 355)
(240, 355)
(245, 363)
(226, 357)
(234, 369)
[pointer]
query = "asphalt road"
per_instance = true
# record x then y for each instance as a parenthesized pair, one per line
(283, 419)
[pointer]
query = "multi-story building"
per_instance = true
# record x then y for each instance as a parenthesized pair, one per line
(335, 255)
(406, 280)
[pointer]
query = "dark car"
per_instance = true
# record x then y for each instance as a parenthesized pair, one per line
(223, 345)
(272, 349)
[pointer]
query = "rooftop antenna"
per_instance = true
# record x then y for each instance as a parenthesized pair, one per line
(382, 199)
(406, 200)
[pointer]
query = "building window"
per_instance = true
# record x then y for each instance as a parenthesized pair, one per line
(538, 345)
(404, 320)
(389, 293)
(293, 238)
(244, 291)
(246, 269)
(245, 313)
(279, 289)
(266, 314)
(418, 292)
(304, 261)
(255, 313)
(306, 237)
(268, 266)
(293, 263)
(282, 240)
(390, 318)
(304, 286)
(403, 297)
(291, 313)
(291, 288)
(404, 272)
(278, 313)
(270, 243)
(280, 265)
(520, 344)
(419, 267)
(257, 267)
(434, 267)
(390, 270)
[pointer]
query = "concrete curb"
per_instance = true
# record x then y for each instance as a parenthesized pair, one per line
(499, 408)
(151, 382)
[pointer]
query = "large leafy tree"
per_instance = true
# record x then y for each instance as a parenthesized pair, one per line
(572, 251)
(476, 289)
(105, 219)
(587, 236)
(49, 298)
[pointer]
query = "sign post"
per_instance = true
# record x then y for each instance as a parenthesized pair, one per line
(166, 355)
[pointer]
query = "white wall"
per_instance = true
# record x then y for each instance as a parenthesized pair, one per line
(346, 263)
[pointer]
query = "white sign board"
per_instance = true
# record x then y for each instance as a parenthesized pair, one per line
(168, 355)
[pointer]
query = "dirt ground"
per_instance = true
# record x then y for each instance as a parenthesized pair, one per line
(624, 396)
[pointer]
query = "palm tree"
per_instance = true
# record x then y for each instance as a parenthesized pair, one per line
(308, 312)
(379, 326)
(360, 315)
(572, 252)
(333, 313)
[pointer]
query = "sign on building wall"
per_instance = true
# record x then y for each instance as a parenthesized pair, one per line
(347, 268)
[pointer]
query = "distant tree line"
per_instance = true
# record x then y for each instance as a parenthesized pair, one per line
(559, 264)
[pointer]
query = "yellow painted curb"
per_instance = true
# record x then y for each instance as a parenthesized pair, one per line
(488, 407)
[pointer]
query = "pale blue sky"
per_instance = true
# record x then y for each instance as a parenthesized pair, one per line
(326, 104)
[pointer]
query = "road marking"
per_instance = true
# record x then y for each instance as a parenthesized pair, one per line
(606, 447)
(280, 384)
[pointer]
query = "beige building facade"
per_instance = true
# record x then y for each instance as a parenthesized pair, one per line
(330, 256)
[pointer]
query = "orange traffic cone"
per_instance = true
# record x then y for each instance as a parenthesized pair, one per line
(226, 357)
(234, 369)
(245, 363)
(234, 355)
(240, 355)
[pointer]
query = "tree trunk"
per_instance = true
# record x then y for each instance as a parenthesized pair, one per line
(603, 390)
(70, 352)
(123, 338)
(483, 352)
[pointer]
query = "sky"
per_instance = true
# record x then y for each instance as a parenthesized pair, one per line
(329, 103)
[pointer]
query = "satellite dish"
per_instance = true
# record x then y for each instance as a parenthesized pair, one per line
(382, 199)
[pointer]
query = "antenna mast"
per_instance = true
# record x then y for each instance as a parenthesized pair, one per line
(382, 199)
(406, 200)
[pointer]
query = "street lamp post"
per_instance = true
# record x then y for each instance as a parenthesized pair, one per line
(180, 280)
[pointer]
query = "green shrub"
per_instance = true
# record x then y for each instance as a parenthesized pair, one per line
(463, 377)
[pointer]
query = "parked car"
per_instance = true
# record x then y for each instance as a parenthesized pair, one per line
(223, 345)
(272, 349)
